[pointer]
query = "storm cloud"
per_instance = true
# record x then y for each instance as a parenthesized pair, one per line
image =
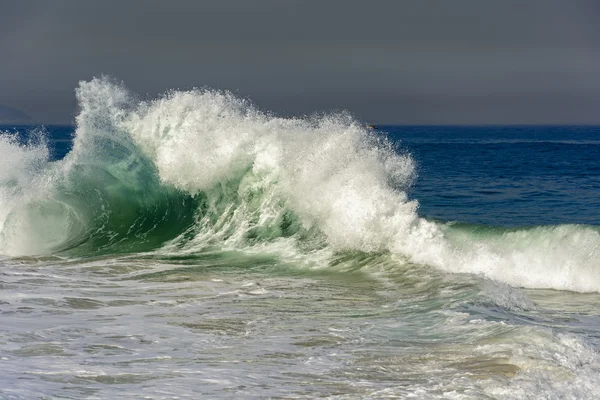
(413, 62)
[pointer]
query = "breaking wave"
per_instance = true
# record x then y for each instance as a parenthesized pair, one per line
(201, 169)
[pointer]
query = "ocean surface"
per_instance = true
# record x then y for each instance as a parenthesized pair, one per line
(194, 246)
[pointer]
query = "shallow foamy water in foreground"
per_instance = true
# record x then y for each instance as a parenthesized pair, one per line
(242, 326)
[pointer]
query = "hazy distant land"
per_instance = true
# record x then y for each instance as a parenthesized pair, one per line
(10, 115)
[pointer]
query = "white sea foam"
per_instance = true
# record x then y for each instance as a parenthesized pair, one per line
(21, 183)
(551, 366)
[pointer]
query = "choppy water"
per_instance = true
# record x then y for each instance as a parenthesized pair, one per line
(194, 247)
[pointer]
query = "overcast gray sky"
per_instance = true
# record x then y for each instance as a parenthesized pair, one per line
(419, 61)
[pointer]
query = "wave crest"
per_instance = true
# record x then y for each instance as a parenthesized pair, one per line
(205, 168)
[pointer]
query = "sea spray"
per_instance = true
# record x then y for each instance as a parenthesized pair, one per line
(201, 168)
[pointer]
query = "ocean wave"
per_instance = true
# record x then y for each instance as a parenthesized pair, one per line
(203, 168)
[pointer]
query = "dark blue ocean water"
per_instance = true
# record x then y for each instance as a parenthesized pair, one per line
(498, 175)
(505, 175)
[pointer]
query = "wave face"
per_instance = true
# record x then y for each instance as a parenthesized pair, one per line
(202, 169)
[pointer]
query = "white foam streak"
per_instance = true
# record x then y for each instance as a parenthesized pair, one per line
(552, 366)
(561, 257)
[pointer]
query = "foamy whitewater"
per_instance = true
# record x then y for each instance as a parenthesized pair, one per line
(193, 245)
